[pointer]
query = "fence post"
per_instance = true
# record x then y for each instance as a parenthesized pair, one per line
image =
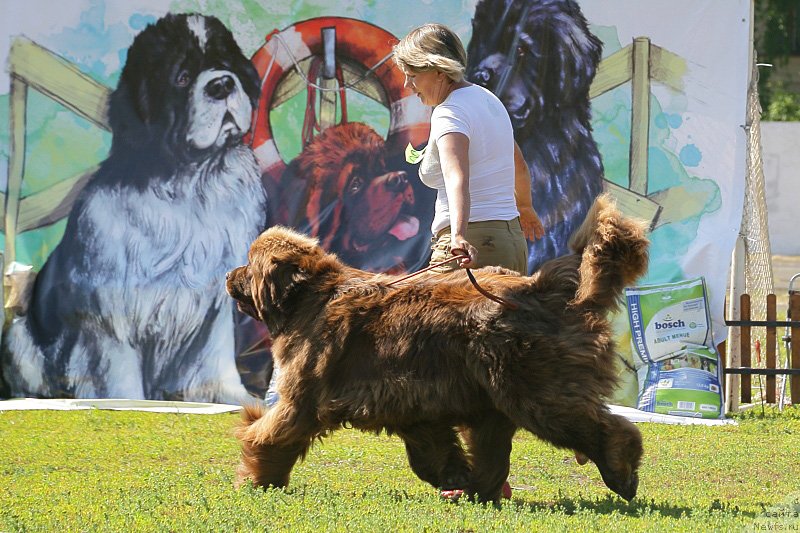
(771, 340)
(745, 339)
(736, 287)
(794, 310)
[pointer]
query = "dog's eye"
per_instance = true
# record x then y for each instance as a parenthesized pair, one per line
(355, 184)
(183, 79)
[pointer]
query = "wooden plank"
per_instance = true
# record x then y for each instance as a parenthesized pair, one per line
(59, 79)
(794, 309)
(612, 72)
(745, 347)
(680, 202)
(634, 205)
(52, 204)
(370, 86)
(667, 68)
(640, 115)
(353, 75)
(772, 343)
(16, 166)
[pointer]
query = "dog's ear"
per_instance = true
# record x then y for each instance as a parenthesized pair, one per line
(564, 52)
(285, 277)
(274, 286)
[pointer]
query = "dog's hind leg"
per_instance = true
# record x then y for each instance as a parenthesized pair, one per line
(612, 442)
(435, 455)
(489, 445)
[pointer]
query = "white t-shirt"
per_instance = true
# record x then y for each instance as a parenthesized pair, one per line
(478, 114)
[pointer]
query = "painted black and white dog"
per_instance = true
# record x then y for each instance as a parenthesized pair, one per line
(539, 58)
(132, 302)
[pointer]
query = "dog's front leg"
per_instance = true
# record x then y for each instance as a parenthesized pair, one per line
(269, 465)
(272, 444)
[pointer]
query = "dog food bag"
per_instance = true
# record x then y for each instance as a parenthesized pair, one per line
(679, 368)
(665, 318)
(687, 384)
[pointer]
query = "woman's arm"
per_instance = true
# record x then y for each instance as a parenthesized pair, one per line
(454, 158)
(531, 225)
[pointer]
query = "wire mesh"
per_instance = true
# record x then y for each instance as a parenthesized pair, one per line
(754, 231)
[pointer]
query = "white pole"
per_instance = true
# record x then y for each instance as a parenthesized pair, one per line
(734, 358)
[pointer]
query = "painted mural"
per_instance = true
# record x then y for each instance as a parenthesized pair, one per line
(146, 145)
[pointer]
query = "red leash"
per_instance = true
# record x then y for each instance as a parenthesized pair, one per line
(484, 292)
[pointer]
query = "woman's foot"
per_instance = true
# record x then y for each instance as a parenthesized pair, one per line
(506, 491)
(451, 495)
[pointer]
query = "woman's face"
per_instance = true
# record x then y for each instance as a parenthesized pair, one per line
(431, 86)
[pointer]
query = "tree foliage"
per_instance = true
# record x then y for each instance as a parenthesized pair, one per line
(776, 40)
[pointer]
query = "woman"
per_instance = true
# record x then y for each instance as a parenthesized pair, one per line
(483, 206)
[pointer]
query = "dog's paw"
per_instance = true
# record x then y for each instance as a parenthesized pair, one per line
(455, 479)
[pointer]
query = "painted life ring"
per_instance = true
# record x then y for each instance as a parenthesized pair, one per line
(356, 40)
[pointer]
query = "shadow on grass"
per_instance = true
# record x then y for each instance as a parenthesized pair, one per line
(564, 505)
(612, 504)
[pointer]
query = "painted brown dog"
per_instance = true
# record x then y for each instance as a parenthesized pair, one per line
(431, 354)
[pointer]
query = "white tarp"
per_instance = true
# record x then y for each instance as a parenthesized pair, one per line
(30, 404)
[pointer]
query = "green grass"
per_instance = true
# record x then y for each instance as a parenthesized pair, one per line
(132, 471)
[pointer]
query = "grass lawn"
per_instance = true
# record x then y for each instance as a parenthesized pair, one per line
(132, 471)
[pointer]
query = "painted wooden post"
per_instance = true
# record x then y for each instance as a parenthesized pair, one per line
(16, 166)
(640, 115)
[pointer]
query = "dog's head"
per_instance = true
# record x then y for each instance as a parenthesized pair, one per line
(281, 264)
(537, 56)
(354, 202)
(186, 90)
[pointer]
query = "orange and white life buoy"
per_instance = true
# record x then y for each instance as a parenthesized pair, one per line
(356, 40)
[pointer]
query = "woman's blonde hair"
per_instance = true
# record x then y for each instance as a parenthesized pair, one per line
(432, 47)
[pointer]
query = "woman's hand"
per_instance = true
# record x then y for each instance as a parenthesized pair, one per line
(531, 225)
(460, 247)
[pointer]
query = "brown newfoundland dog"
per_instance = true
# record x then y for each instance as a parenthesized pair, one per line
(430, 355)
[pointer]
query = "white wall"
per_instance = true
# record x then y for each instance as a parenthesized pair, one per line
(780, 144)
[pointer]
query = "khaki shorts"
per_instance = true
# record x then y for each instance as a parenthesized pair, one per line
(499, 243)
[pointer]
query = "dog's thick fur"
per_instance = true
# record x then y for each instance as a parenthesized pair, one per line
(422, 357)
(539, 57)
(130, 304)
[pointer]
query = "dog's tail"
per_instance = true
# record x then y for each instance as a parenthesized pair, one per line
(614, 254)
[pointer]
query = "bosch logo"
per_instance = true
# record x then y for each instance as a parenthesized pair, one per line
(670, 325)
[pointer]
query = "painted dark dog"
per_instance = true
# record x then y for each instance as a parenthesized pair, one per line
(539, 58)
(420, 359)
